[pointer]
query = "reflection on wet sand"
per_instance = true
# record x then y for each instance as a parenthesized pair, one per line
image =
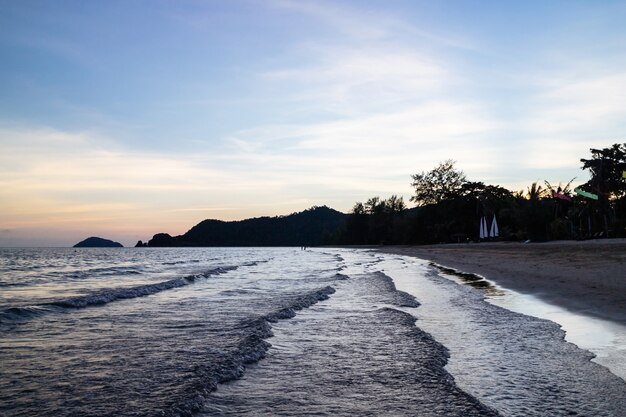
(472, 280)
(605, 339)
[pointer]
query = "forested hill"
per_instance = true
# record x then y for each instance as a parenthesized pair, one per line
(315, 226)
(450, 208)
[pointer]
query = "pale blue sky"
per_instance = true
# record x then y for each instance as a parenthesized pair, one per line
(123, 119)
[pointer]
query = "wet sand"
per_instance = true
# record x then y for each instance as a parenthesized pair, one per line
(587, 277)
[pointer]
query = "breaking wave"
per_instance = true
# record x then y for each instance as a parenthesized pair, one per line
(398, 298)
(252, 348)
(15, 315)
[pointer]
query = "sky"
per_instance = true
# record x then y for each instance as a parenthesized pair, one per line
(122, 119)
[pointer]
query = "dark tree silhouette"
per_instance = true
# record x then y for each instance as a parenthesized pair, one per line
(441, 183)
(608, 213)
(376, 222)
(315, 226)
(607, 167)
(449, 208)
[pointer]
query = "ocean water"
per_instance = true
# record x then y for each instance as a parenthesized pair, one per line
(275, 331)
(605, 339)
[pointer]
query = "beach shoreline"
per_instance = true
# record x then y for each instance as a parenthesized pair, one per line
(587, 277)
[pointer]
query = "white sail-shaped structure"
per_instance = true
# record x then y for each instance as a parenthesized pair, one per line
(494, 232)
(483, 228)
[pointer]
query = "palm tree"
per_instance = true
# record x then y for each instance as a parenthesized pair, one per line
(567, 189)
(535, 192)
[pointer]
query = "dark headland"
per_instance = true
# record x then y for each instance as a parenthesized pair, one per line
(312, 227)
(98, 242)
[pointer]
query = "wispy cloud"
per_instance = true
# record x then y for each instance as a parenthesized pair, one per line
(352, 22)
(283, 104)
(569, 115)
(53, 177)
(580, 105)
(365, 24)
(78, 179)
(351, 81)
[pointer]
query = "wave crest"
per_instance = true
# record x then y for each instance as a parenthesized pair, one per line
(14, 315)
(252, 348)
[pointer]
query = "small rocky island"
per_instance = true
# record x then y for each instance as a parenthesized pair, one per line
(98, 242)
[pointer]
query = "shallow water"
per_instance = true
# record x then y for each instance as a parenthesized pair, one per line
(148, 353)
(605, 339)
(515, 363)
(355, 354)
(142, 332)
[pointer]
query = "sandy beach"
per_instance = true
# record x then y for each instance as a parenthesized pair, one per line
(587, 277)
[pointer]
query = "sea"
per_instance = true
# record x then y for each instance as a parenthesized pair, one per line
(277, 331)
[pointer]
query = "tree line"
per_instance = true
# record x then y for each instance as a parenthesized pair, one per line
(449, 207)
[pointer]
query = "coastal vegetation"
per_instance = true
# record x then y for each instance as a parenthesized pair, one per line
(312, 227)
(449, 208)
